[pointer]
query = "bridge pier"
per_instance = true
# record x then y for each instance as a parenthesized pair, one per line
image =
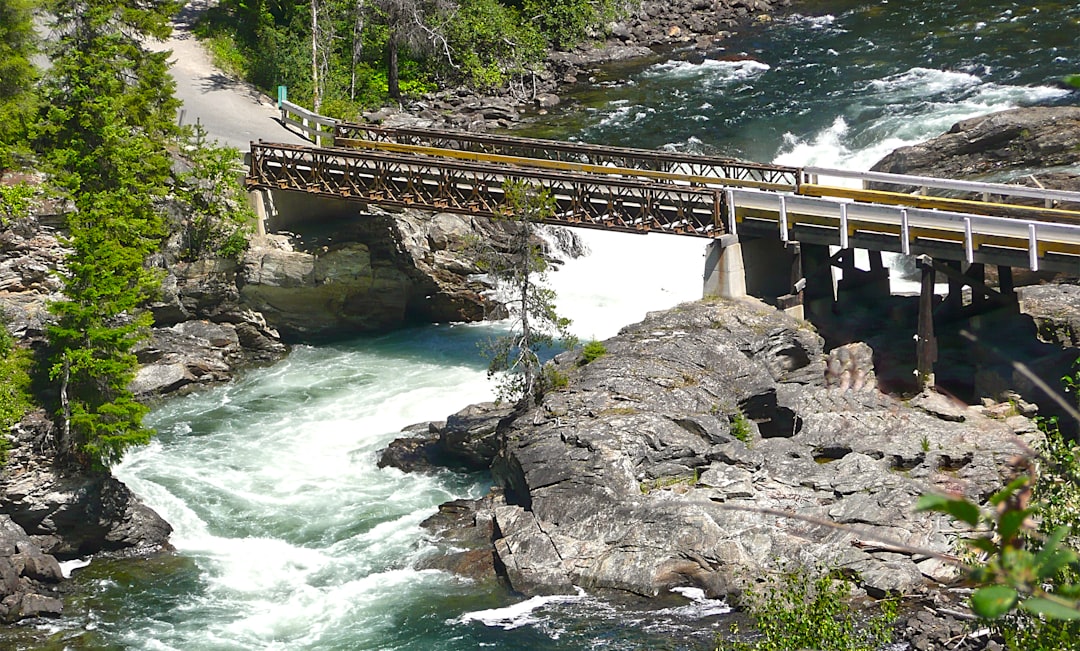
(259, 200)
(725, 274)
(766, 268)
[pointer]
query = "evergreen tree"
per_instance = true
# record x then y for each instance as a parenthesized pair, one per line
(17, 77)
(110, 113)
(521, 271)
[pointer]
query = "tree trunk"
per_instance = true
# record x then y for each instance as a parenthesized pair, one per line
(316, 100)
(63, 446)
(392, 87)
(357, 47)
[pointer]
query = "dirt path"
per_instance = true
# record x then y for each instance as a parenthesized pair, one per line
(233, 112)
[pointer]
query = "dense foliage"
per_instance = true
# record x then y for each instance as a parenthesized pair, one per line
(340, 55)
(17, 77)
(110, 114)
(101, 122)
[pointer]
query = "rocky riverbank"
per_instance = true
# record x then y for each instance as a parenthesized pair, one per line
(713, 444)
(214, 317)
(652, 28)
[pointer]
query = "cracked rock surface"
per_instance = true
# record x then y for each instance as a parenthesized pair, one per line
(716, 442)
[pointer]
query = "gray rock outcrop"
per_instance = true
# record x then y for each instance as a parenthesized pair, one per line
(372, 271)
(1055, 308)
(1017, 139)
(28, 576)
(68, 512)
(717, 440)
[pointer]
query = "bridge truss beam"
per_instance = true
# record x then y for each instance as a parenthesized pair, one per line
(476, 188)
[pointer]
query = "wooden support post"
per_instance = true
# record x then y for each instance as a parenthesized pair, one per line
(977, 272)
(954, 302)
(793, 302)
(925, 342)
(1005, 281)
(877, 265)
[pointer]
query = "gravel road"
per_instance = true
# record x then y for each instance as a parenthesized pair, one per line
(233, 112)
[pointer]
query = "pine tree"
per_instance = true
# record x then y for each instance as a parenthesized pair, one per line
(521, 270)
(17, 77)
(110, 114)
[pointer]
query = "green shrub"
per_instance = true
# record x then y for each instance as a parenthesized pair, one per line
(591, 351)
(15, 397)
(740, 428)
(15, 202)
(795, 610)
(553, 379)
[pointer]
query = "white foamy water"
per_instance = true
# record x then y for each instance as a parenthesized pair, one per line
(300, 541)
(519, 614)
(626, 276)
(901, 110)
(710, 71)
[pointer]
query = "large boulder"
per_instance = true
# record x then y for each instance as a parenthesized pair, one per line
(1017, 139)
(715, 442)
(69, 512)
(28, 576)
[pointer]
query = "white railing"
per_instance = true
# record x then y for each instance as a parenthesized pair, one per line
(1036, 237)
(317, 128)
(924, 183)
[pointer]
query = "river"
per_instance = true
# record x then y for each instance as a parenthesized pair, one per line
(289, 537)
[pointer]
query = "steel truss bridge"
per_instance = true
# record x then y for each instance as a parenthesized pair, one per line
(641, 190)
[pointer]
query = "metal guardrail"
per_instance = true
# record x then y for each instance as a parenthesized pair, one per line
(911, 231)
(308, 123)
(528, 150)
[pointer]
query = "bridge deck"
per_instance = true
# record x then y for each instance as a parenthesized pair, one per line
(642, 190)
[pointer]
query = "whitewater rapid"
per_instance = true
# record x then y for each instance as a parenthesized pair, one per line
(289, 537)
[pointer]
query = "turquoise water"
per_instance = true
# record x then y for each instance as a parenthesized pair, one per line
(839, 83)
(289, 537)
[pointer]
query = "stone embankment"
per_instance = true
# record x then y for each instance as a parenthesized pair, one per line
(712, 444)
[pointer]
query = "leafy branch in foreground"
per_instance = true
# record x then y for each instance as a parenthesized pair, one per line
(1031, 570)
(521, 270)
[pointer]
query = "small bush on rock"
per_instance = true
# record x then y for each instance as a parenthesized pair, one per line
(591, 352)
(795, 610)
(15, 397)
